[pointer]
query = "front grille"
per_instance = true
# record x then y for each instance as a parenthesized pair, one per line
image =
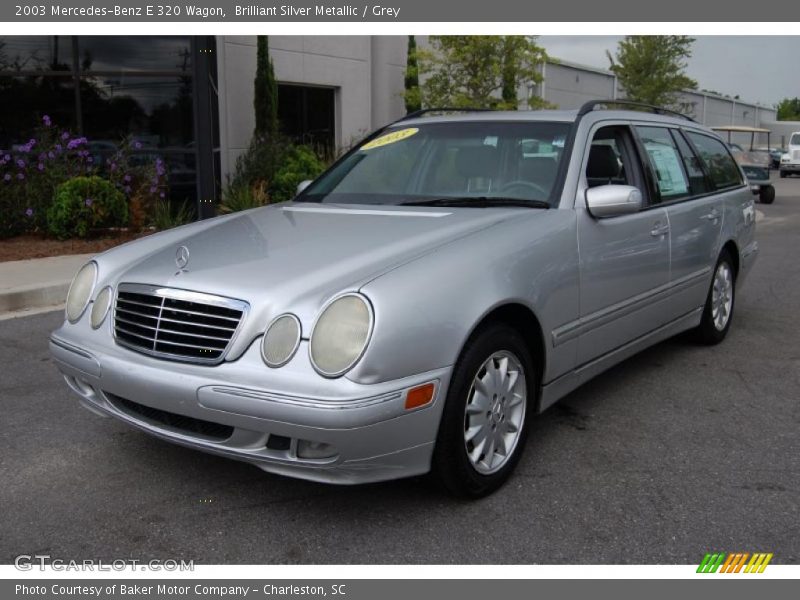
(180, 423)
(796, 155)
(176, 324)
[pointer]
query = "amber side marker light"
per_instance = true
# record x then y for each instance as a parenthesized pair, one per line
(419, 396)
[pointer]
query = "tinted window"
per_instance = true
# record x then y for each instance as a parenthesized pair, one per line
(718, 161)
(665, 161)
(698, 184)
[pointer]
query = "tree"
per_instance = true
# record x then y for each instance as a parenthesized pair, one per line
(266, 91)
(412, 94)
(651, 68)
(480, 71)
(788, 109)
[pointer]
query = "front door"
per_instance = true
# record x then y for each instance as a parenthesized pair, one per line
(624, 260)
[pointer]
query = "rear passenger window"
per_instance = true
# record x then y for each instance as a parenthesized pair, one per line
(719, 163)
(691, 162)
(665, 162)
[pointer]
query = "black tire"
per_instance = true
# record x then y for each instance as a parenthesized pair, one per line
(708, 332)
(766, 194)
(451, 466)
(783, 174)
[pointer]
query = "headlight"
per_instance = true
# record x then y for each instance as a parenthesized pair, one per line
(80, 291)
(100, 307)
(281, 340)
(341, 334)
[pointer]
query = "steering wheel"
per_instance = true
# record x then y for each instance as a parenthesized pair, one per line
(539, 192)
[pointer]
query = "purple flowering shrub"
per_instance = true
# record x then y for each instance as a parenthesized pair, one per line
(142, 177)
(83, 204)
(30, 173)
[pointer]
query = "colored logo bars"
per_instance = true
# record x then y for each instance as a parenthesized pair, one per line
(735, 562)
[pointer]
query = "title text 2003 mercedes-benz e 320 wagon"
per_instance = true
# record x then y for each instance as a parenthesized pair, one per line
(414, 307)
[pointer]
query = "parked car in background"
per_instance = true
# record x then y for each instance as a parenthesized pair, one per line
(775, 157)
(414, 307)
(790, 162)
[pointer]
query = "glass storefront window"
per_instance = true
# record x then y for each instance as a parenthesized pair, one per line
(156, 111)
(128, 87)
(36, 53)
(134, 53)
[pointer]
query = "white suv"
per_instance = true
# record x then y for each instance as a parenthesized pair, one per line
(790, 162)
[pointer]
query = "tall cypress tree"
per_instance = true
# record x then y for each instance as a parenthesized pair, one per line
(412, 95)
(266, 91)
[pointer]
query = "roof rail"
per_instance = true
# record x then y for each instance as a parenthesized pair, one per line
(424, 111)
(592, 104)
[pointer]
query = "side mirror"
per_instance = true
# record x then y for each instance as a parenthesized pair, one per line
(303, 185)
(613, 200)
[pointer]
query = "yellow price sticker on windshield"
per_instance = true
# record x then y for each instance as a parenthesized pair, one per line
(390, 138)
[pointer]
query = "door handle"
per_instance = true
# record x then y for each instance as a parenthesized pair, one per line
(713, 215)
(658, 229)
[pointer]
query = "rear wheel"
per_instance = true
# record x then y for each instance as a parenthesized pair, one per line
(718, 310)
(488, 406)
(767, 194)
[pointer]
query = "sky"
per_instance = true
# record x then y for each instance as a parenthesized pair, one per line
(757, 68)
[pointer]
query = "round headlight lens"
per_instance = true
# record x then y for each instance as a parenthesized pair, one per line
(341, 335)
(280, 341)
(100, 307)
(80, 291)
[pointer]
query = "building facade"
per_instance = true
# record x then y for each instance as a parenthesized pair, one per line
(189, 100)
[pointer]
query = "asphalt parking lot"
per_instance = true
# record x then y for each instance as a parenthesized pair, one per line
(678, 451)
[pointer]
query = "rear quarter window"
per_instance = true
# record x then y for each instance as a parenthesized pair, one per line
(719, 163)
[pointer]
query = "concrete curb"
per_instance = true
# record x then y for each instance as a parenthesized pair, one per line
(36, 283)
(34, 296)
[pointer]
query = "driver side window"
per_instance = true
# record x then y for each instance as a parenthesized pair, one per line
(610, 158)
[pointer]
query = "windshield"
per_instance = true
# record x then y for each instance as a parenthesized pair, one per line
(484, 161)
(795, 140)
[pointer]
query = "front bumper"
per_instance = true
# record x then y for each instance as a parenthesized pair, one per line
(790, 167)
(246, 411)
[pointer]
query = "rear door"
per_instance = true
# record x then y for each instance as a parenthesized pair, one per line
(698, 168)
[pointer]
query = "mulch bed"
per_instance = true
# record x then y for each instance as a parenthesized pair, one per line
(24, 247)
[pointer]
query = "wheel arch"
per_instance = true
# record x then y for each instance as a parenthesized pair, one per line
(732, 249)
(523, 319)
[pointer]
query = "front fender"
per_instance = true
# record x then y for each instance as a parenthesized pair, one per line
(426, 309)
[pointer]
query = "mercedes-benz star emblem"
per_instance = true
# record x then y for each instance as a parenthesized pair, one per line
(182, 257)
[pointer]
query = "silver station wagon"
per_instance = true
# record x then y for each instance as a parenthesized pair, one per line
(412, 309)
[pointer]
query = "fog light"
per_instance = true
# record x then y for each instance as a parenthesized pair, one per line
(308, 449)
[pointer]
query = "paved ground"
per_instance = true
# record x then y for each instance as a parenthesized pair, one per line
(680, 450)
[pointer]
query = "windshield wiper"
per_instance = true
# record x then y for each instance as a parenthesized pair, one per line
(479, 202)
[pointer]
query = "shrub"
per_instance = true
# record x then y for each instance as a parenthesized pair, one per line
(31, 172)
(142, 177)
(164, 217)
(275, 163)
(244, 197)
(85, 203)
(299, 163)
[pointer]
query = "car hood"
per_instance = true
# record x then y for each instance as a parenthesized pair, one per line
(293, 257)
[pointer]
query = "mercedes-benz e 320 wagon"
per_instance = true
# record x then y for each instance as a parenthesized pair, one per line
(414, 307)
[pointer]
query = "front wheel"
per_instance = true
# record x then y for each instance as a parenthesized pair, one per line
(485, 417)
(766, 194)
(783, 174)
(718, 310)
